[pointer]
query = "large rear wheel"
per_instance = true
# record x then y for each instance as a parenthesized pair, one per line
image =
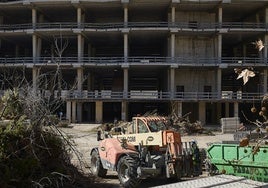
(96, 165)
(127, 172)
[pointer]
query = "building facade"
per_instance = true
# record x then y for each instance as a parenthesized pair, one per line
(119, 58)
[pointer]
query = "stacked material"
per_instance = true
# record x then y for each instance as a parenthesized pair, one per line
(230, 125)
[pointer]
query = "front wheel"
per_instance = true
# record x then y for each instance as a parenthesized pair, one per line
(127, 172)
(96, 165)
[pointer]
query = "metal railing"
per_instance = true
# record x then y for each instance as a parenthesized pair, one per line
(138, 60)
(195, 26)
(152, 95)
(183, 96)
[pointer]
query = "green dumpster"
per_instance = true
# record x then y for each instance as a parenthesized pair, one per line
(250, 161)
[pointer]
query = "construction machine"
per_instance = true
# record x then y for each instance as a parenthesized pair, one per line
(146, 148)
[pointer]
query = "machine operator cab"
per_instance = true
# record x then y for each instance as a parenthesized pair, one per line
(147, 124)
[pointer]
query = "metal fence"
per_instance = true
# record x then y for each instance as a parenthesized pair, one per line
(194, 26)
(160, 95)
(142, 60)
(153, 95)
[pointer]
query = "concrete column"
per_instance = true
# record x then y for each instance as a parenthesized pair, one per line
(227, 106)
(179, 106)
(172, 47)
(218, 83)
(220, 15)
(79, 111)
(79, 15)
(34, 17)
(265, 81)
(236, 109)
(125, 15)
(266, 15)
(34, 41)
(202, 112)
(99, 111)
(125, 82)
(39, 47)
(219, 111)
(172, 82)
(69, 110)
(173, 14)
(125, 45)
(124, 111)
(80, 47)
(80, 75)
(219, 46)
(34, 77)
(73, 112)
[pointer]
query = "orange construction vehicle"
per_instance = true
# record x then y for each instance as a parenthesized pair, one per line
(145, 149)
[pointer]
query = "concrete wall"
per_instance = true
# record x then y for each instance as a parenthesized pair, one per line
(196, 79)
(195, 47)
(195, 16)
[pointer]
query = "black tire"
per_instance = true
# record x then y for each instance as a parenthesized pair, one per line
(127, 172)
(96, 165)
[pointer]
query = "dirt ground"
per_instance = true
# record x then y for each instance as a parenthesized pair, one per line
(85, 140)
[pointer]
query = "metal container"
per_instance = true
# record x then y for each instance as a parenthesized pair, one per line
(250, 161)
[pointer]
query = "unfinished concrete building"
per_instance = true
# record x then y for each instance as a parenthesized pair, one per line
(127, 57)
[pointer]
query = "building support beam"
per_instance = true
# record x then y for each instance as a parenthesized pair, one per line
(178, 108)
(219, 111)
(80, 75)
(218, 83)
(172, 43)
(236, 109)
(125, 93)
(124, 111)
(34, 17)
(80, 47)
(34, 41)
(173, 14)
(39, 47)
(99, 111)
(220, 15)
(69, 111)
(73, 112)
(125, 45)
(202, 112)
(172, 82)
(219, 47)
(125, 16)
(79, 15)
(79, 111)
(35, 74)
(266, 15)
